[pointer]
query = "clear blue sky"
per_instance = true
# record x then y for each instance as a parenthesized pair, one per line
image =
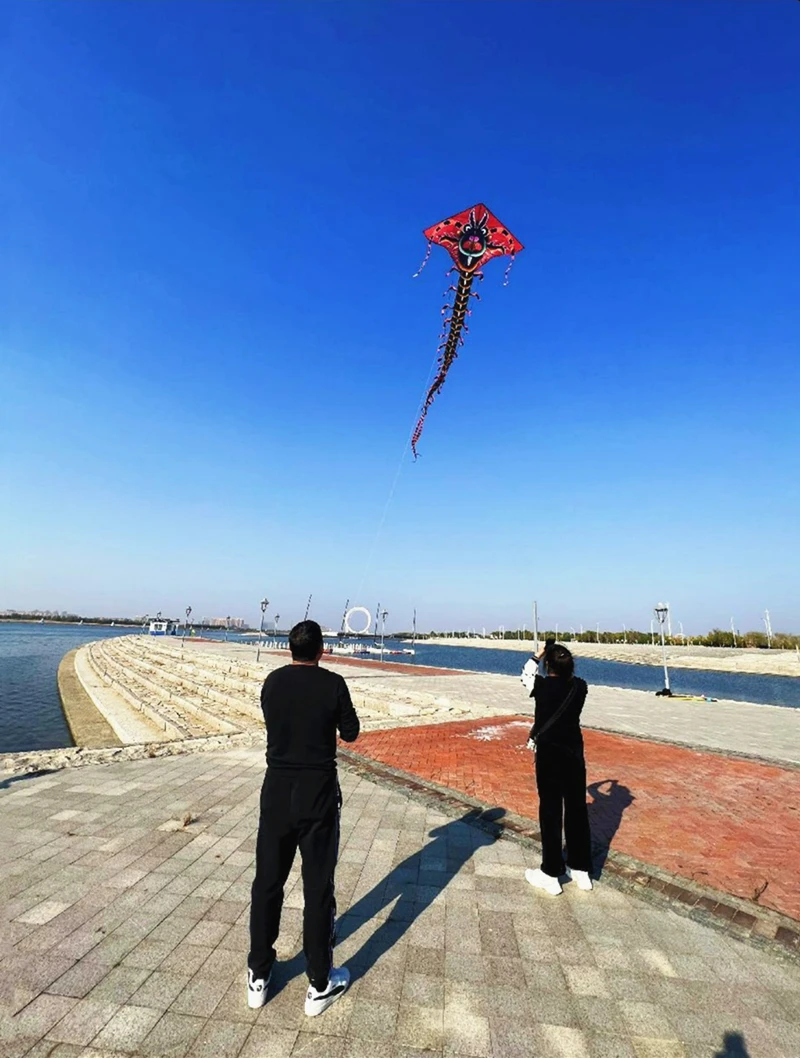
(212, 348)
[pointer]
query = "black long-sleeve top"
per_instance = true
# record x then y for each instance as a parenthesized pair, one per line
(304, 707)
(548, 693)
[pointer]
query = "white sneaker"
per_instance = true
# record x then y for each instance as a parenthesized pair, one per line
(580, 878)
(317, 1002)
(256, 990)
(540, 880)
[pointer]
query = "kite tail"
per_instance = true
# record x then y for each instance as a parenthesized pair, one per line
(448, 349)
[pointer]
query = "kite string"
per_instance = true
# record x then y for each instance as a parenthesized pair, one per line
(390, 497)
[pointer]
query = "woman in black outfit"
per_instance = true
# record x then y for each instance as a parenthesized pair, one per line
(560, 771)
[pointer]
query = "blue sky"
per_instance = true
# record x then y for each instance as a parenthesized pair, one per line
(212, 350)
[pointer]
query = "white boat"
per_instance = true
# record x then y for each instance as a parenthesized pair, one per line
(162, 627)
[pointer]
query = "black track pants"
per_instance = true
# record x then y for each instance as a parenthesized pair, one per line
(561, 782)
(298, 810)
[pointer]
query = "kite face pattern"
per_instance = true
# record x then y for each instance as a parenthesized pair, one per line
(472, 238)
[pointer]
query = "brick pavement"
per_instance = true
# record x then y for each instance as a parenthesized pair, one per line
(124, 933)
(728, 823)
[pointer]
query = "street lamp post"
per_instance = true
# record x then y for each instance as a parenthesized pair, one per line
(662, 613)
(275, 619)
(384, 615)
(186, 626)
(227, 623)
(263, 604)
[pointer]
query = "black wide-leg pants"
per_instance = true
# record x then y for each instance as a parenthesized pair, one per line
(561, 783)
(298, 810)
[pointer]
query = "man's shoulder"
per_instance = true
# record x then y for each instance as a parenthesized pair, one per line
(277, 674)
(333, 678)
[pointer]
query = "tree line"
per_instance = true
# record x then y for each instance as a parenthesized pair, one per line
(717, 637)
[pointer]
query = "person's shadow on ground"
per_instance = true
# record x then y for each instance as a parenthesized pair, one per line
(605, 815)
(411, 887)
(734, 1045)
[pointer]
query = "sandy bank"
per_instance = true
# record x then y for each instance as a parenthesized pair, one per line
(712, 659)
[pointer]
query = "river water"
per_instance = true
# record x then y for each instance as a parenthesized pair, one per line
(31, 716)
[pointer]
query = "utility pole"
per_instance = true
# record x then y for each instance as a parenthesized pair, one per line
(624, 634)
(598, 631)
(308, 607)
(535, 627)
(768, 627)
(344, 617)
(733, 632)
(652, 634)
(669, 622)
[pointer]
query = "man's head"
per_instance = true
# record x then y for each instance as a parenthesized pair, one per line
(559, 661)
(305, 641)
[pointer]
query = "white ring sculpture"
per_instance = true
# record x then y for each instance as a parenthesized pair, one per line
(357, 609)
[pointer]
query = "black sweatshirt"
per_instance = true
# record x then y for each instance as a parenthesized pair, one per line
(304, 706)
(548, 693)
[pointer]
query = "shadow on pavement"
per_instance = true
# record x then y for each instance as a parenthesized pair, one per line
(5, 784)
(411, 887)
(605, 815)
(734, 1045)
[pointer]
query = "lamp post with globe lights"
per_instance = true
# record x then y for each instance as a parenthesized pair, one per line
(186, 624)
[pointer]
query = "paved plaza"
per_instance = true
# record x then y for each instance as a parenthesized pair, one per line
(125, 896)
(727, 823)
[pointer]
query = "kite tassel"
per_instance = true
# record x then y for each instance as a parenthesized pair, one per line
(424, 260)
(508, 270)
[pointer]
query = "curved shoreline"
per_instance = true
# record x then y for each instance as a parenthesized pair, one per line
(87, 725)
(734, 660)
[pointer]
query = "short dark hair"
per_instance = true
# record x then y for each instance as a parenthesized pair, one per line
(560, 661)
(305, 641)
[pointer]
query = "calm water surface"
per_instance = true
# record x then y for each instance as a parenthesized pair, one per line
(31, 716)
(740, 687)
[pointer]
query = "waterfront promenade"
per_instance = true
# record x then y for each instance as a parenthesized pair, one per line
(125, 908)
(125, 882)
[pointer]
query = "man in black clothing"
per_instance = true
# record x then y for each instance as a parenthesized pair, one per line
(560, 772)
(304, 707)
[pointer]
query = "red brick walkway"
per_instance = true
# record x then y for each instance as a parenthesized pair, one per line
(727, 823)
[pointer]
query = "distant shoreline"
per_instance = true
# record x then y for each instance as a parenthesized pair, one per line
(750, 660)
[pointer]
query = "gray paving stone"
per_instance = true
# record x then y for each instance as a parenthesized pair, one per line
(159, 990)
(83, 1022)
(126, 1029)
(172, 1036)
(220, 1039)
(202, 994)
(38, 1017)
(269, 1043)
(118, 985)
(312, 1045)
(372, 1020)
(420, 1027)
(79, 980)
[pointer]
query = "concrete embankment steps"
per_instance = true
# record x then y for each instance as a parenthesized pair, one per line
(183, 693)
(125, 682)
(195, 695)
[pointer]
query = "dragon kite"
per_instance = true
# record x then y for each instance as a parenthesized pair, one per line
(471, 238)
